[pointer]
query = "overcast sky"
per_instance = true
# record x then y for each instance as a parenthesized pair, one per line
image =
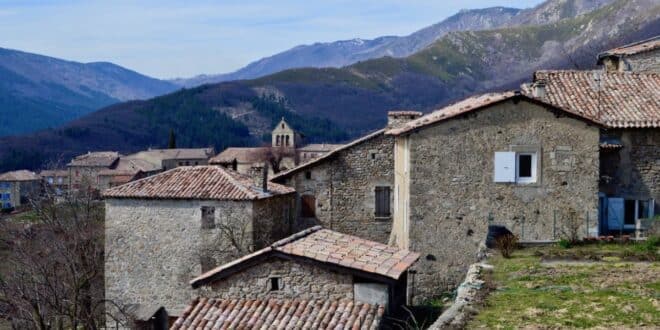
(167, 39)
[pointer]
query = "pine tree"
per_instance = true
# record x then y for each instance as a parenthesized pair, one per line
(172, 143)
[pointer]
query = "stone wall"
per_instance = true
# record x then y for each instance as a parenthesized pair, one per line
(155, 247)
(453, 197)
(632, 171)
(297, 281)
(646, 61)
(344, 189)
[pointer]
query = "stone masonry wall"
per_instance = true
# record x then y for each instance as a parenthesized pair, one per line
(298, 281)
(452, 193)
(154, 248)
(273, 218)
(646, 61)
(633, 171)
(344, 188)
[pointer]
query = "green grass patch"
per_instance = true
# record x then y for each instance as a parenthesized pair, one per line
(601, 294)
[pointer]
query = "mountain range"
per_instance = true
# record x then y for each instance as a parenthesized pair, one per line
(39, 91)
(341, 53)
(334, 104)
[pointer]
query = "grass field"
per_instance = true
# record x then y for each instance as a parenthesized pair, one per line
(593, 286)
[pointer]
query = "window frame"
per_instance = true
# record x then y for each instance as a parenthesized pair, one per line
(205, 223)
(533, 167)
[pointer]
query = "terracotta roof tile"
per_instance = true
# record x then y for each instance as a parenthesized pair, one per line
(20, 175)
(633, 48)
(242, 155)
(196, 182)
(99, 158)
(205, 313)
(463, 106)
(331, 247)
(615, 99)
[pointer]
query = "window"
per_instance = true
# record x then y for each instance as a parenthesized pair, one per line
(50, 180)
(287, 140)
(277, 140)
(308, 206)
(59, 180)
(382, 202)
(308, 175)
(275, 284)
(208, 217)
(6, 197)
(518, 167)
(6, 205)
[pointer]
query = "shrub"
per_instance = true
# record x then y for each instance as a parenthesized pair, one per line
(565, 244)
(650, 245)
(506, 244)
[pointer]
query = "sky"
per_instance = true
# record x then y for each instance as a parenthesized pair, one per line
(168, 39)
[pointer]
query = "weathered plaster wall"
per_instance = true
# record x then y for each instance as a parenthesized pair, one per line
(633, 171)
(344, 188)
(452, 193)
(298, 280)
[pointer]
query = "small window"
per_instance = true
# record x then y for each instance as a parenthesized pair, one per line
(6, 197)
(50, 180)
(382, 202)
(277, 140)
(59, 180)
(308, 206)
(373, 155)
(275, 284)
(308, 175)
(196, 163)
(287, 140)
(526, 167)
(208, 217)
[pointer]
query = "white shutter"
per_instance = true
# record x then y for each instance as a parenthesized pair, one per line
(614, 213)
(505, 166)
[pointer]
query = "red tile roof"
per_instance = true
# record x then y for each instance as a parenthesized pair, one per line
(615, 99)
(327, 247)
(242, 155)
(204, 313)
(633, 48)
(463, 106)
(20, 175)
(99, 158)
(196, 182)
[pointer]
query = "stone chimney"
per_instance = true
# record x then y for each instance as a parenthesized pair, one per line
(398, 118)
(259, 175)
(538, 88)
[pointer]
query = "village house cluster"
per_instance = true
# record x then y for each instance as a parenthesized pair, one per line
(344, 235)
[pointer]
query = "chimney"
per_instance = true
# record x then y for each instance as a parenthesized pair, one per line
(259, 175)
(538, 88)
(398, 118)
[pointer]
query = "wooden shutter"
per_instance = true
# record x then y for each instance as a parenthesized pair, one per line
(308, 206)
(382, 201)
(615, 213)
(505, 166)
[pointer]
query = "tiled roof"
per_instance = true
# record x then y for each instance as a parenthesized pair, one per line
(242, 155)
(633, 48)
(20, 175)
(196, 182)
(328, 155)
(100, 158)
(53, 173)
(320, 147)
(327, 247)
(404, 113)
(156, 156)
(466, 105)
(615, 99)
(127, 165)
(205, 313)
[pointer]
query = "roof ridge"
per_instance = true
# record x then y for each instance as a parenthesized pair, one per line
(232, 180)
(295, 236)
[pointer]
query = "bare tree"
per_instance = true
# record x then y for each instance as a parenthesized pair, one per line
(276, 155)
(53, 270)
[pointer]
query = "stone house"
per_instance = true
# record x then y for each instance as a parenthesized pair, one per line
(286, 151)
(627, 104)
(349, 189)
(315, 264)
(84, 169)
(639, 56)
(167, 159)
(17, 187)
(57, 180)
(499, 158)
(163, 230)
(127, 169)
